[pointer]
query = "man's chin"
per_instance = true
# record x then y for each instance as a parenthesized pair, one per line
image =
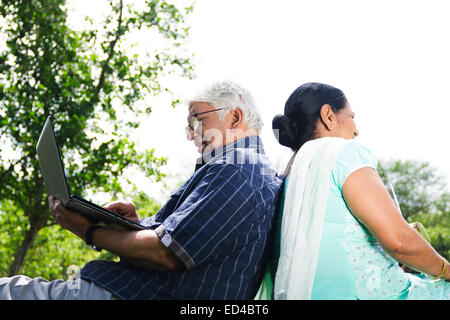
(201, 148)
(206, 147)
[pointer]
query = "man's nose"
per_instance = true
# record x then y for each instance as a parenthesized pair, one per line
(190, 134)
(356, 132)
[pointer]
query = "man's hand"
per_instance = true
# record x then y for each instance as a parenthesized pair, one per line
(67, 219)
(125, 209)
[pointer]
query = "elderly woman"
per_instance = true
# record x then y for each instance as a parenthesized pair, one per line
(340, 235)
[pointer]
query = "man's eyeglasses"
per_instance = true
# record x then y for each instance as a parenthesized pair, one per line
(194, 122)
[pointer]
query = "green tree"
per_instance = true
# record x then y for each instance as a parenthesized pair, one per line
(83, 80)
(54, 250)
(438, 225)
(423, 196)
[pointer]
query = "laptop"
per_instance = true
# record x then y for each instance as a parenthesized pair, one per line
(56, 184)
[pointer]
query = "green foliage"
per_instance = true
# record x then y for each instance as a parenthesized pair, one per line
(423, 196)
(13, 225)
(54, 249)
(438, 227)
(91, 87)
(145, 206)
(417, 185)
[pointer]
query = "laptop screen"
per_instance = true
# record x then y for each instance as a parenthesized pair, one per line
(51, 164)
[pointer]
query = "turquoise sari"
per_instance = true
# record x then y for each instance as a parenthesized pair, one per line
(351, 263)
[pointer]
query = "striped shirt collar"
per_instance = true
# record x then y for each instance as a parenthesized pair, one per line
(252, 142)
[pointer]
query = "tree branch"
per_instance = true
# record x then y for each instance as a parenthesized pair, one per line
(11, 167)
(110, 54)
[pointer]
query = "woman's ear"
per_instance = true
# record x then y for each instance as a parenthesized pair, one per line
(328, 117)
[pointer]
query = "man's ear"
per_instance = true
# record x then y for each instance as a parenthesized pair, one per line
(328, 117)
(237, 118)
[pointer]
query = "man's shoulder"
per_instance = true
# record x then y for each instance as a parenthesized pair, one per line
(253, 166)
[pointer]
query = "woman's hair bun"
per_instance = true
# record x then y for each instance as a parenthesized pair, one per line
(302, 111)
(285, 131)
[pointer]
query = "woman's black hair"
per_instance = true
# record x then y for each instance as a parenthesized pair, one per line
(301, 112)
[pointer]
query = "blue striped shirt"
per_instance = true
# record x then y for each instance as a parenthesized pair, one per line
(218, 223)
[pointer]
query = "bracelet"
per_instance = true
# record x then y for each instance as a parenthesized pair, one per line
(441, 274)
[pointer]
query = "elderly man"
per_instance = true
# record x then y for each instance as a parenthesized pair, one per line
(209, 241)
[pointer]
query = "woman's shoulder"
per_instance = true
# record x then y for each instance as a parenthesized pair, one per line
(352, 157)
(354, 151)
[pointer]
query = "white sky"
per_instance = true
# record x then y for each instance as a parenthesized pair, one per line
(391, 59)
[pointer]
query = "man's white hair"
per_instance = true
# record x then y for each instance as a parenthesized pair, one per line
(229, 96)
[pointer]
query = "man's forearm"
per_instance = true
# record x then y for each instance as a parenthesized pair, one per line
(141, 248)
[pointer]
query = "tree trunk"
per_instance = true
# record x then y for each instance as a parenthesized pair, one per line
(27, 243)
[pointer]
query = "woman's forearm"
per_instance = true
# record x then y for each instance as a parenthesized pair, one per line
(416, 253)
(368, 199)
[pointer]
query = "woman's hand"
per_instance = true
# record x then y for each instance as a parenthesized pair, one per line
(125, 209)
(407, 269)
(419, 228)
(446, 276)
